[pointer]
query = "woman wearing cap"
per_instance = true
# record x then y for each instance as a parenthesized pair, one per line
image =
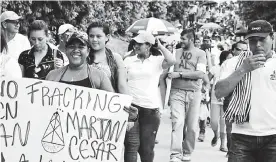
(41, 58)
(8, 65)
(78, 72)
(143, 72)
(104, 59)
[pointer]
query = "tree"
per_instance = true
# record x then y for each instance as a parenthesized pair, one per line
(254, 10)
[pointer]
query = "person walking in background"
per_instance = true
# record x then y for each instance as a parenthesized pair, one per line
(251, 80)
(216, 105)
(186, 95)
(64, 33)
(143, 72)
(16, 42)
(236, 50)
(38, 61)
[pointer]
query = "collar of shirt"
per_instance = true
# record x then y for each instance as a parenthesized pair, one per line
(150, 58)
(49, 51)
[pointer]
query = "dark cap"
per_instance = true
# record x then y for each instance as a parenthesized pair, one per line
(259, 28)
(81, 36)
(206, 38)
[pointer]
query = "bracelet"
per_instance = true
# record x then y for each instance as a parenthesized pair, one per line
(181, 75)
(133, 120)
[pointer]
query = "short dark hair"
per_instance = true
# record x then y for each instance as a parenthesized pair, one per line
(235, 44)
(190, 33)
(98, 24)
(38, 25)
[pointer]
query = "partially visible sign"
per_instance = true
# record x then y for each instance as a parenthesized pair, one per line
(44, 121)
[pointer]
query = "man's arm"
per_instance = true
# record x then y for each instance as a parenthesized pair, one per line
(225, 86)
(193, 74)
(200, 68)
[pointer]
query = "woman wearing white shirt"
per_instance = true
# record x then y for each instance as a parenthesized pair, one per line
(8, 65)
(143, 72)
(216, 105)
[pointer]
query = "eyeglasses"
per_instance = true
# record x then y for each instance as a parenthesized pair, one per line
(15, 22)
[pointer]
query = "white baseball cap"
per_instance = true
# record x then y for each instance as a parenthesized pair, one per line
(144, 37)
(63, 28)
(9, 15)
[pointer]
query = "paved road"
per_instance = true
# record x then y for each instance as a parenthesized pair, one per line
(204, 152)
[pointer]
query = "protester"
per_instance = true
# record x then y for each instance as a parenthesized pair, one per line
(38, 61)
(78, 72)
(216, 105)
(104, 59)
(143, 72)
(17, 43)
(252, 106)
(64, 32)
(203, 113)
(237, 48)
(8, 65)
(186, 92)
(197, 42)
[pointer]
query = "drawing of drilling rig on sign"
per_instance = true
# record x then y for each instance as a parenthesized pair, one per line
(52, 140)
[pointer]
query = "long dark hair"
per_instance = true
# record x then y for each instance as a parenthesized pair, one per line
(106, 30)
(109, 55)
(4, 45)
(223, 56)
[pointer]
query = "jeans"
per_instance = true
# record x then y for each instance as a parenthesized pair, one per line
(245, 148)
(141, 137)
(185, 106)
(228, 131)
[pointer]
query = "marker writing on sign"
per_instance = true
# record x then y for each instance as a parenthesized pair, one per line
(81, 99)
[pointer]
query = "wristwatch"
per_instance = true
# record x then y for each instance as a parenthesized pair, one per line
(180, 74)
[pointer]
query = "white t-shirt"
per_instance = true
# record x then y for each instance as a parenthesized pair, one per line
(262, 116)
(143, 79)
(17, 45)
(9, 67)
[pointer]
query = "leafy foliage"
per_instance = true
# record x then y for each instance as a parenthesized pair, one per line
(254, 10)
(118, 14)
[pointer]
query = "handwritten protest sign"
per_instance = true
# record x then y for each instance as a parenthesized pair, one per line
(43, 121)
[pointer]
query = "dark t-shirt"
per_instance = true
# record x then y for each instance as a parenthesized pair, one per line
(84, 83)
(27, 60)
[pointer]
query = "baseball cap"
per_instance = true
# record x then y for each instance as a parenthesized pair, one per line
(78, 35)
(9, 15)
(144, 37)
(259, 28)
(206, 38)
(63, 28)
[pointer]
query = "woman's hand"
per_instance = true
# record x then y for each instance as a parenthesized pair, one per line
(133, 112)
(58, 62)
(159, 44)
(129, 125)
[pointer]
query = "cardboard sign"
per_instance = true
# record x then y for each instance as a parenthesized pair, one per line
(43, 121)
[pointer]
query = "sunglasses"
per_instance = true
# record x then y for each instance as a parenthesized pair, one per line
(15, 22)
(239, 49)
